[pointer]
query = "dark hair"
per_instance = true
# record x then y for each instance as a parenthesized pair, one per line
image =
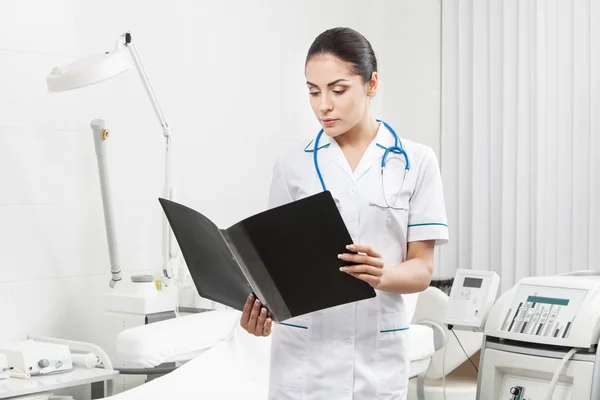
(348, 45)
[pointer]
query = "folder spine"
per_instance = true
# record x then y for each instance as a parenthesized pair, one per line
(255, 271)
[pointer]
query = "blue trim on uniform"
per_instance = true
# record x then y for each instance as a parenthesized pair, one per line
(306, 150)
(429, 224)
(393, 330)
(293, 326)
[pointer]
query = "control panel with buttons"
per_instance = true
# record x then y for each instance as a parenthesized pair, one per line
(471, 298)
(37, 358)
(543, 311)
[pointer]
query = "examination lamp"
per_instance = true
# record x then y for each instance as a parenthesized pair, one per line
(94, 69)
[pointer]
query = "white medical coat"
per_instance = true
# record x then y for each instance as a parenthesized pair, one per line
(359, 350)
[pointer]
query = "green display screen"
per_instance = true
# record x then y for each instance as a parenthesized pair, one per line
(548, 300)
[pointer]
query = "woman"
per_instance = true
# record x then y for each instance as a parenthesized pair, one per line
(359, 350)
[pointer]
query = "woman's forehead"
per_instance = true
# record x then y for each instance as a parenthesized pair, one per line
(324, 69)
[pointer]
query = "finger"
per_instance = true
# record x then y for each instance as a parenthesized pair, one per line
(268, 327)
(260, 323)
(246, 311)
(362, 269)
(253, 317)
(362, 259)
(364, 248)
(374, 281)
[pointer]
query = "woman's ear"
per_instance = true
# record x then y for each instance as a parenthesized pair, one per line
(372, 84)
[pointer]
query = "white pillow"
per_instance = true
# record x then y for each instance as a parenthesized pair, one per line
(178, 339)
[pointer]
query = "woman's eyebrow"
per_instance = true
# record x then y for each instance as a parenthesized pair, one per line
(329, 84)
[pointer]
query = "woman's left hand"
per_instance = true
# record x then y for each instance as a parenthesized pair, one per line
(370, 264)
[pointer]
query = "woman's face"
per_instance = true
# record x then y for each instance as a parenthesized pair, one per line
(338, 97)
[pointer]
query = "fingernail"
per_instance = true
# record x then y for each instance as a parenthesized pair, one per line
(350, 247)
(343, 269)
(257, 303)
(263, 311)
(340, 256)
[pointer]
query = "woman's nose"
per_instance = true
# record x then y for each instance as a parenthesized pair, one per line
(325, 104)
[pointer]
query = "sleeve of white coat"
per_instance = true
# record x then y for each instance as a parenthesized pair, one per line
(279, 193)
(427, 212)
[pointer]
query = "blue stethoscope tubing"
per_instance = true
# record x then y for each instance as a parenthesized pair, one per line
(395, 149)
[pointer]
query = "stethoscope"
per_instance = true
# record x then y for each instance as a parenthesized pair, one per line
(398, 149)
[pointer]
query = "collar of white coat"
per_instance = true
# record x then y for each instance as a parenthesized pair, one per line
(375, 150)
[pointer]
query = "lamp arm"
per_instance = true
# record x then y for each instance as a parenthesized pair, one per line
(146, 82)
(169, 250)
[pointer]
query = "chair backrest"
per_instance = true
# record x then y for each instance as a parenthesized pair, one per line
(431, 306)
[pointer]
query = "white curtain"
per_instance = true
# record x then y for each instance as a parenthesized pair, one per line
(521, 136)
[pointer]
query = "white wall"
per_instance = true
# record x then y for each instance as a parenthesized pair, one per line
(410, 68)
(230, 79)
(51, 253)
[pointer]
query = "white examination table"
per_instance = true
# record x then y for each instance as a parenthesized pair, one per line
(228, 363)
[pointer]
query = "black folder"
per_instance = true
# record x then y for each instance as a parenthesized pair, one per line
(285, 256)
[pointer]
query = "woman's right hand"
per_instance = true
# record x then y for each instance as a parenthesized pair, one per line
(255, 318)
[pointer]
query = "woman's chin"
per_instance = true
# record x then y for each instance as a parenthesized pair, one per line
(333, 131)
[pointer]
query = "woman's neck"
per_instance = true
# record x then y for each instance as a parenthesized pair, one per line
(361, 135)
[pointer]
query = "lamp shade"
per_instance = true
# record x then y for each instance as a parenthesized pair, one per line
(88, 70)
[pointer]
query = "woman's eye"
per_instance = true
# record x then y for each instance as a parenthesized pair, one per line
(313, 93)
(339, 92)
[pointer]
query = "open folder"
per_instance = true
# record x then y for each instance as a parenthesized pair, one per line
(286, 256)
